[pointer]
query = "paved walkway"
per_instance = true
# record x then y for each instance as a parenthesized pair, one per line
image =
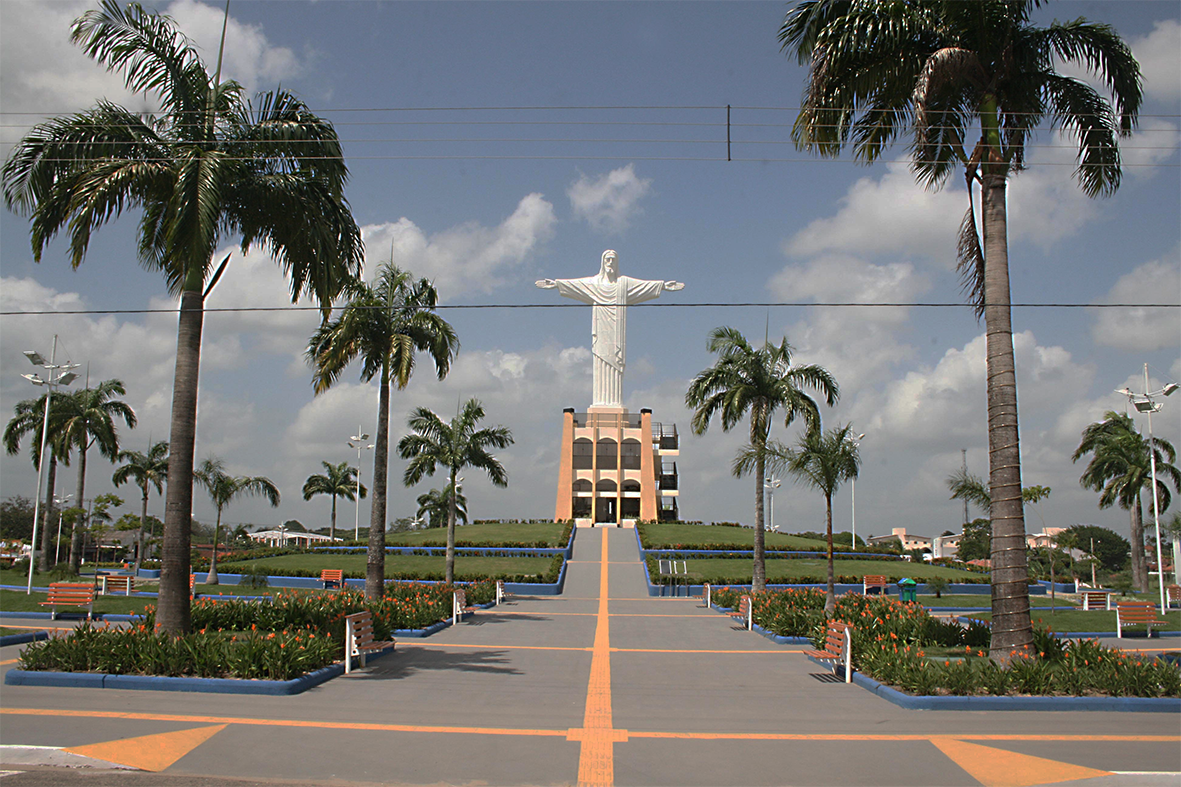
(603, 685)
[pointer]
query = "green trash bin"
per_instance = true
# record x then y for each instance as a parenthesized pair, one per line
(906, 589)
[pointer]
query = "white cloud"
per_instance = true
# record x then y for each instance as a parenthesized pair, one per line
(889, 215)
(1157, 55)
(1142, 329)
(467, 258)
(609, 202)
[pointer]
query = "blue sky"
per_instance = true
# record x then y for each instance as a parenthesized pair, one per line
(484, 198)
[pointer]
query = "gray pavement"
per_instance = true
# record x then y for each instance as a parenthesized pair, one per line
(625, 689)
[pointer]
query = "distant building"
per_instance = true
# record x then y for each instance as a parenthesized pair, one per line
(946, 546)
(281, 538)
(907, 540)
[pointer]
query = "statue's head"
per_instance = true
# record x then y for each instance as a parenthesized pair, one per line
(610, 264)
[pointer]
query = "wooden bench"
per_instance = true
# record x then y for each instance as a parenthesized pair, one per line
(705, 593)
(1135, 613)
(744, 613)
(838, 648)
(459, 605)
(870, 581)
(358, 639)
(1173, 594)
(192, 586)
(1095, 599)
(110, 584)
(70, 594)
(332, 578)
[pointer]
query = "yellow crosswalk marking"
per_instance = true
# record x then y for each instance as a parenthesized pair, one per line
(1000, 768)
(149, 752)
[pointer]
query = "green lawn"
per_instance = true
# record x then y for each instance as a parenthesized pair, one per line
(787, 571)
(1070, 619)
(491, 534)
(396, 566)
(668, 535)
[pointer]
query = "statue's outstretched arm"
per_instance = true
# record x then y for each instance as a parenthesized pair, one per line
(671, 285)
(546, 284)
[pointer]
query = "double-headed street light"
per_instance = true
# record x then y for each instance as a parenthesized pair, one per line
(1144, 403)
(358, 441)
(56, 375)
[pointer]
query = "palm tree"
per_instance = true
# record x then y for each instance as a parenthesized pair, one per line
(209, 167)
(223, 488)
(436, 505)
(454, 446)
(384, 324)
(29, 419)
(147, 470)
(941, 68)
(825, 460)
(966, 486)
(88, 418)
(1120, 470)
(760, 382)
(339, 481)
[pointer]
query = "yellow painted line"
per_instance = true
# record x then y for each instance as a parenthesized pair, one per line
(149, 752)
(596, 759)
(301, 723)
(1000, 768)
(653, 615)
(541, 614)
(726, 652)
(752, 736)
(29, 628)
(444, 646)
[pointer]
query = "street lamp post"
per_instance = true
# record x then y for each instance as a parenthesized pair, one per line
(57, 544)
(358, 441)
(64, 377)
(771, 483)
(1144, 404)
(853, 493)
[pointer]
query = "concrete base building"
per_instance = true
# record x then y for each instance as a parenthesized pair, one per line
(616, 468)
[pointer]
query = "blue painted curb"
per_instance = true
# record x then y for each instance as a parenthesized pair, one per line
(927, 702)
(20, 639)
(202, 685)
(114, 616)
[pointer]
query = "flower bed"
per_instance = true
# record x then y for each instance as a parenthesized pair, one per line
(233, 638)
(890, 639)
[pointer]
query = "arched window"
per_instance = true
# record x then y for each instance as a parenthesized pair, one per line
(583, 454)
(630, 454)
(583, 485)
(606, 485)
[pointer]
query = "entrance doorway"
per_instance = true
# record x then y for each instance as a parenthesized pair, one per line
(605, 510)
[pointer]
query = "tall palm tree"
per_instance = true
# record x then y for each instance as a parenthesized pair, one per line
(29, 419)
(385, 325)
(147, 470)
(436, 505)
(88, 418)
(825, 460)
(756, 381)
(454, 446)
(210, 167)
(947, 70)
(223, 488)
(1121, 469)
(337, 480)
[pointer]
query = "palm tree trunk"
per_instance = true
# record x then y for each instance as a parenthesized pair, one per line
(1011, 626)
(46, 535)
(450, 575)
(139, 541)
(332, 525)
(211, 578)
(79, 526)
(375, 556)
(172, 613)
(1139, 563)
(830, 594)
(759, 581)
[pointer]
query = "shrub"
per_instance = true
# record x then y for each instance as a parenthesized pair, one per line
(254, 577)
(937, 585)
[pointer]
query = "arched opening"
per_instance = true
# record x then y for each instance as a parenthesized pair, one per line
(584, 451)
(630, 454)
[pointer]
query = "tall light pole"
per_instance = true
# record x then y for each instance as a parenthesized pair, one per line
(358, 441)
(853, 492)
(1145, 404)
(57, 545)
(64, 377)
(771, 483)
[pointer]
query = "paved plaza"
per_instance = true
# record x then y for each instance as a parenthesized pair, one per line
(602, 685)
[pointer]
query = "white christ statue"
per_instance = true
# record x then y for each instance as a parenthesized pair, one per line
(611, 294)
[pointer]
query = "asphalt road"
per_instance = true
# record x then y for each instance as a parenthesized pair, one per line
(600, 686)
